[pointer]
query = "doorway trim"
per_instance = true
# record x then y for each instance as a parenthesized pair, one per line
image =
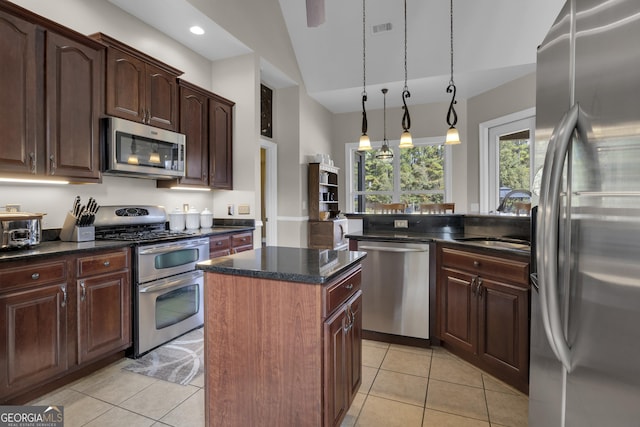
(483, 157)
(271, 191)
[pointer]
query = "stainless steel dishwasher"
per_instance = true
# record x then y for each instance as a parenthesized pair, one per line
(395, 288)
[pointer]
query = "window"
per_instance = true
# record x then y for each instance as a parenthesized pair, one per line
(416, 175)
(506, 145)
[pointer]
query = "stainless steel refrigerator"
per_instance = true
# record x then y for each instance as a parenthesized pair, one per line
(585, 308)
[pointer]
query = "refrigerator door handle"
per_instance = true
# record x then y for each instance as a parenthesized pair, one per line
(547, 232)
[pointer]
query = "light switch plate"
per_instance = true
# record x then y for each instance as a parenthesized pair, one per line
(401, 223)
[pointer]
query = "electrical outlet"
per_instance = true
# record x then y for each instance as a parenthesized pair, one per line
(243, 210)
(401, 223)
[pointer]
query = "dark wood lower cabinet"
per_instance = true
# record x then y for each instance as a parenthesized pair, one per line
(61, 315)
(483, 310)
(343, 359)
(33, 343)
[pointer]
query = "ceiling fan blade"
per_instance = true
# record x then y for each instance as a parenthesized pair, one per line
(315, 13)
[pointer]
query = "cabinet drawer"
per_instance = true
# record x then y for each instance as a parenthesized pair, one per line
(103, 263)
(242, 239)
(507, 269)
(337, 293)
(28, 274)
(219, 243)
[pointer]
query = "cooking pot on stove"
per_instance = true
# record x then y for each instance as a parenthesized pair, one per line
(20, 229)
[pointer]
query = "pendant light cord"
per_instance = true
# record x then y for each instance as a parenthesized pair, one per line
(364, 69)
(452, 116)
(406, 118)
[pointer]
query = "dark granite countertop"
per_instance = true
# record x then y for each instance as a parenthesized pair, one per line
(58, 247)
(458, 238)
(303, 265)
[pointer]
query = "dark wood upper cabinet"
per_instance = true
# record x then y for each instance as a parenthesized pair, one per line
(207, 121)
(194, 123)
(51, 85)
(73, 108)
(139, 87)
(19, 101)
(220, 137)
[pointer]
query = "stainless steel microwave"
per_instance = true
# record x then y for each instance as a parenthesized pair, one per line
(143, 151)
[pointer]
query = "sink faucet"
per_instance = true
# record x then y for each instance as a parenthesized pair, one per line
(508, 196)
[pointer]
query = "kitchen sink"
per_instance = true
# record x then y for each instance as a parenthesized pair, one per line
(497, 242)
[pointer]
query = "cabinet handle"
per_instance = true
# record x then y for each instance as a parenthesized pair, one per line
(350, 318)
(64, 295)
(83, 294)
(349, 286)
(218, 243)
(473, 284)
(106, 263)
(480, 288)
(32, 159)
(52, 163)
(35, 276)
(476, 263)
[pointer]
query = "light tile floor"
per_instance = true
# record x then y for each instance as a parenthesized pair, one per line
(401, 386)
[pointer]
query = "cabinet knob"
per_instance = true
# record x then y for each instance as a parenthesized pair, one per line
(476, 263)
(349, 286)
(106, 263)
(35, 276)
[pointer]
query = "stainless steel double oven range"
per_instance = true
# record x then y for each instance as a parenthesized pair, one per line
(167, 289)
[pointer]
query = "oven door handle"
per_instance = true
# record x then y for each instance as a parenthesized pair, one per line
(165, 249)
(171, 283)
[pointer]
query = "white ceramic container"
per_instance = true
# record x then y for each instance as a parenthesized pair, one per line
(193, 219)
(206, 218)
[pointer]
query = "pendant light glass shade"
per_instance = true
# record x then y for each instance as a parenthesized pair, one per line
(365, 143)
(405, 140)
(453, 137)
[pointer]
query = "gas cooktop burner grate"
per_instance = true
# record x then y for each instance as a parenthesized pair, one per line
(139, 233)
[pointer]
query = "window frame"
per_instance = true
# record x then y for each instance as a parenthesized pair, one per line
(352, 147)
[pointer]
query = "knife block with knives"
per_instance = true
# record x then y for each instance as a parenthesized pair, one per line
(78, 224)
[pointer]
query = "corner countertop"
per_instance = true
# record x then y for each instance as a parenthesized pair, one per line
(314, 266)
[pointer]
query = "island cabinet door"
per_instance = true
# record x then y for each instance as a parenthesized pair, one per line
(343, 359)
(354, 345)
(336, 393)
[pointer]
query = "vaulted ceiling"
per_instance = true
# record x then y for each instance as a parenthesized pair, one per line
(494, 42)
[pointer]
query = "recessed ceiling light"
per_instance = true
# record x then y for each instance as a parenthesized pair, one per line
(197, 30)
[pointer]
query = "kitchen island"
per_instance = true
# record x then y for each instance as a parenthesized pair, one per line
(283, 342)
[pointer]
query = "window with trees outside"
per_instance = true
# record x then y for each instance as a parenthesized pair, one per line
(414, 176)
(506, 147)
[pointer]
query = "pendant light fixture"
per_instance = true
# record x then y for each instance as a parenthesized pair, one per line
(385, 152)
(365, 142)
(405, 139)
(453, 137)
